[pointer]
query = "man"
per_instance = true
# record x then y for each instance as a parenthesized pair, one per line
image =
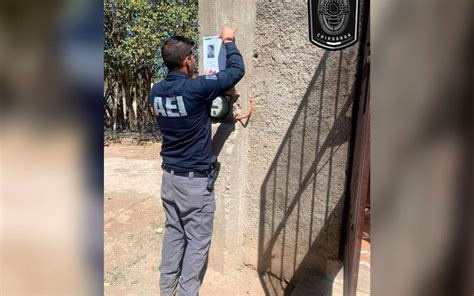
(183, 109)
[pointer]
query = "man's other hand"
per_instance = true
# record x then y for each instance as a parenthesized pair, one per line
(228, 34)
(210, 72)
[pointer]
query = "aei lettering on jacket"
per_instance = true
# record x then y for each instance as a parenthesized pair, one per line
(173, 107)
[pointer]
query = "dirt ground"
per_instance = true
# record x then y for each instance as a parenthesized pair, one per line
(134, 227)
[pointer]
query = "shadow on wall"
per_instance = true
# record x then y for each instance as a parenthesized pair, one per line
(301, 201)
(223, 132)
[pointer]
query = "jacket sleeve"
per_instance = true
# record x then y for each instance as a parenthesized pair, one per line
(210, 86)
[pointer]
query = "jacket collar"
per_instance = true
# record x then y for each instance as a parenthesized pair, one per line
(173, 75)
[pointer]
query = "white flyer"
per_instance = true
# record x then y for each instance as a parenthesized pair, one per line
(214, 53)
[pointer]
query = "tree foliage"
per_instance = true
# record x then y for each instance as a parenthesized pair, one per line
(134, 32)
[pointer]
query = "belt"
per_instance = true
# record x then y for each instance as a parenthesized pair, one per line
(185, 174)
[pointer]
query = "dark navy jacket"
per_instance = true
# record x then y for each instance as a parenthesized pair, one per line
(183, 109)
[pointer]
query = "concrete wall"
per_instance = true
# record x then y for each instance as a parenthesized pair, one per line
(298, 139)
(280, 195)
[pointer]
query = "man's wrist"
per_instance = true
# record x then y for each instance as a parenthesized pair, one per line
(227, 40)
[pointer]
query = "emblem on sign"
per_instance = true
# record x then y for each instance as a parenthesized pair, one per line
(333, 24)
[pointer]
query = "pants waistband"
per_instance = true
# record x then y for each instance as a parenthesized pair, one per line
(185, 174)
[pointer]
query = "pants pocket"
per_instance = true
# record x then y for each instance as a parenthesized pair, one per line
(206, 218)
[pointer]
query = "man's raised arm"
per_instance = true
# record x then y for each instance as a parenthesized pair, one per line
(214, 84)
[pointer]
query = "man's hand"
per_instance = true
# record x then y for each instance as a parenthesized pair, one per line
(210, 72)
(228, 34)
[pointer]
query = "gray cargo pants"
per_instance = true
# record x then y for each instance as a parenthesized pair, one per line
(189, 209)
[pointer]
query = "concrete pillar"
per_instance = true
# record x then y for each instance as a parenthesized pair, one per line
(230, 141)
